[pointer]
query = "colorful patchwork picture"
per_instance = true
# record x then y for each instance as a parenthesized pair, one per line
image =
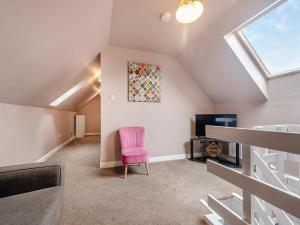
(144, 82)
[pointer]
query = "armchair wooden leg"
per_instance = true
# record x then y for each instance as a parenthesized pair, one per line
(147, 168)
(125, 173)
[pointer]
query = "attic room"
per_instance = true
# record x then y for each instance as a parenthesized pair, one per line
(131, 112)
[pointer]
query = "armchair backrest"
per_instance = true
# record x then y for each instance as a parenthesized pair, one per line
(132, 137)
(20, 179)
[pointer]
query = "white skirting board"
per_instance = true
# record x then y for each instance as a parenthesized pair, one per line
(151, 160)
(55, 150)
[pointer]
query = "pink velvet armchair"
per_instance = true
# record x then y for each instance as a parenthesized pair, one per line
(132, 147)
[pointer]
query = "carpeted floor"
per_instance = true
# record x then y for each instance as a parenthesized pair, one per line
(169, 196)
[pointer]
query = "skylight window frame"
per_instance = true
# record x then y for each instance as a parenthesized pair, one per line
(257, 59)
(250, 50)
(252, 53)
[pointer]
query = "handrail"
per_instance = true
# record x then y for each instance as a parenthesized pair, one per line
(282, 199)
(286, 142)
(225, 212)
(274, 194)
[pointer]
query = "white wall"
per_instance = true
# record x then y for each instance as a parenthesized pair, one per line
(28, 133)
(168, 124)
(283, 106)
(92, 115)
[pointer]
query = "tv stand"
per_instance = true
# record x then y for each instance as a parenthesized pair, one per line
(203, 155)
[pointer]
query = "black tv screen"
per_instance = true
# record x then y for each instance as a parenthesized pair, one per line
(226, 120)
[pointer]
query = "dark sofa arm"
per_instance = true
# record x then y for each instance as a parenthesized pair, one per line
(30, 177)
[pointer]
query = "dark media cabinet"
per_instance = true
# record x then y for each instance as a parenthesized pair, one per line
(224, 153)
(224, 157)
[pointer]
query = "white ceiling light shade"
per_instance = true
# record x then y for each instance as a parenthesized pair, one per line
(189, 11)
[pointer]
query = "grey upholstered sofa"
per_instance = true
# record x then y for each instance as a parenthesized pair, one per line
(31, 194)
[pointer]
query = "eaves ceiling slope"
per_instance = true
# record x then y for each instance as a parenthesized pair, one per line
(47, 47)
(212, 63)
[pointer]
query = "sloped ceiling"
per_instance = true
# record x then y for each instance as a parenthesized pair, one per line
(47, 47)
(212, 63)
(199, 46)
(89, 77)
(136, 24)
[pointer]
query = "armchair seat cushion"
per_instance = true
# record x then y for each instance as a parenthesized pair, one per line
(41, 207)
(134, 155)
(134, 151)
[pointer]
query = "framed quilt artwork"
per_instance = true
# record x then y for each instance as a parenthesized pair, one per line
(144, 82)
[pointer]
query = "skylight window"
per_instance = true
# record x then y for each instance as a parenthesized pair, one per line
(67, 94)
(273, 40)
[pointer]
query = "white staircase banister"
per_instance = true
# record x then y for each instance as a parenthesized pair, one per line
(282, 199)
(260, 209)
(227, 214)
(286, 142)
(273, 179)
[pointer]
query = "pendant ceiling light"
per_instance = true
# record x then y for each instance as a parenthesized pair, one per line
(189, 11)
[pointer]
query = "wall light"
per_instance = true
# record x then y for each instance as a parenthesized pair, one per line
(189, 11)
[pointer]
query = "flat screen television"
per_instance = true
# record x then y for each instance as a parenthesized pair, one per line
(226, 120)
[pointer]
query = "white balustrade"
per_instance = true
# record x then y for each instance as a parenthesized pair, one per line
(271, 176)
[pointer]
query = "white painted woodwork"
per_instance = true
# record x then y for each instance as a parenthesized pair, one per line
(268, 180)
(275, 196)
(273, 157)
(270, 176)
(233, 202)
(287, 142)
(285, 166)
(225, 212)
(261, 209)
(247, 170)
(213, 219)
(207, 206)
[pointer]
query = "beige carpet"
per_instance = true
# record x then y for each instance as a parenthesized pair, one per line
(169, 196)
